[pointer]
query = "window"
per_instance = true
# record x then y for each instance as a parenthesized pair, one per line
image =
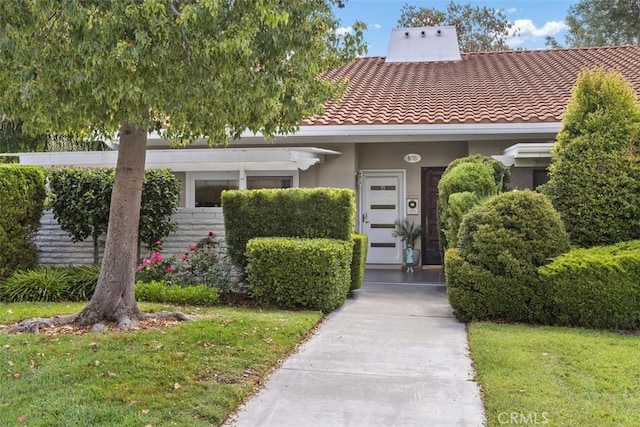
(258, 181)
(209, 191)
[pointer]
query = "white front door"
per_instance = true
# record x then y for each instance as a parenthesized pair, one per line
(380, 206)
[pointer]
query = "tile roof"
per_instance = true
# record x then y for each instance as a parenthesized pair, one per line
(487, 87)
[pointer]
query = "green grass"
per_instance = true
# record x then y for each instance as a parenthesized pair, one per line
(194, 373)
(557, 376)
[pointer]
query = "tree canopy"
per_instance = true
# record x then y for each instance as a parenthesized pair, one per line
(602, 23)
(479, 28)
(195, 68)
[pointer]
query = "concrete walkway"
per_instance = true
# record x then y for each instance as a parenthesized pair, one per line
(391, 356)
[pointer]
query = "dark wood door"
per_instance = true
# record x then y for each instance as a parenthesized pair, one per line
(431, 254)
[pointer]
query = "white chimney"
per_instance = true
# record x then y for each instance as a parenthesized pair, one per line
(423, 44)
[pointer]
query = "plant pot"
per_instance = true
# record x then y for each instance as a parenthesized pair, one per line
(415, 255)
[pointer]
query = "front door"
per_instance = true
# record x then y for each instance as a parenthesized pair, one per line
(380, 207)
(431, 254)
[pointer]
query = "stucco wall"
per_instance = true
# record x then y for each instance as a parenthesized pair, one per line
(335, 171)
(193, 224)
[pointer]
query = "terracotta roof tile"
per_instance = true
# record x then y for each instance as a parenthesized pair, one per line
(487, 87)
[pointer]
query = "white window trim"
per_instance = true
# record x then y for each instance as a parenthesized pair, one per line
(240, 175)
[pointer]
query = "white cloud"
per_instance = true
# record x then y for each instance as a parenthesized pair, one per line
(524, 30)
(511, 10)
(344, 30)
(376, 26)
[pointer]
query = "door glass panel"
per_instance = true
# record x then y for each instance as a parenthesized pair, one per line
(208, 191)
(383, 207)
(255, 182)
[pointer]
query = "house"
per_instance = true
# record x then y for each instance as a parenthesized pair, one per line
(403, 119)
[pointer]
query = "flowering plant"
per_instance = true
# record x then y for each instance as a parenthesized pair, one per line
(205, 263)
(155, 267)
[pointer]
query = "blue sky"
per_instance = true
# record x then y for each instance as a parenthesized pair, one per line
(534, 19)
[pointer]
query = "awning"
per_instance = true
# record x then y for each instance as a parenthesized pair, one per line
(193, 159)
(526, 154)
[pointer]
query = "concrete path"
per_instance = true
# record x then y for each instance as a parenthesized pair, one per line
(391, 356)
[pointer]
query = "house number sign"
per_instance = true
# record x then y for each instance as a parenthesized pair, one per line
(412, 158)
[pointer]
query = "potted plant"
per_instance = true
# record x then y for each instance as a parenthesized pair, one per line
(408, 232)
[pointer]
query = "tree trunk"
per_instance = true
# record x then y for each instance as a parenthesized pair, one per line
(114, 299)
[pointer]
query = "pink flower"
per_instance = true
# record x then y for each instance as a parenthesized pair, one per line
(139, 268)
(185, 257)
(192, 248)
(158, 243)
(146, 261)
(211, 234)
(168, 269)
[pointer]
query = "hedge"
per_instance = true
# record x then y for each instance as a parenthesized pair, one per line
(290, 272)
(22, 195)
(501, 245)
(596, 288)
(293, 212)
(359, 261)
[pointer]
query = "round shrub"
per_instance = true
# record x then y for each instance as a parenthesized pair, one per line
(504, 242)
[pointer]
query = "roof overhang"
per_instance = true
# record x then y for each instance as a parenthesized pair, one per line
(336, 134)
(193, 159)
(526, 154)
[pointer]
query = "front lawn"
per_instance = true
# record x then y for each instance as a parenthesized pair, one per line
(193, 373)
(557, 376)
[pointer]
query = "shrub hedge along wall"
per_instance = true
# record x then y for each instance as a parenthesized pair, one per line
(22, 195)
(291, 272)
(293, 212)
(501, 244)
(596, 288)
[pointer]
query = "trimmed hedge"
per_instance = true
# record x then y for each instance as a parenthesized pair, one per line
(291, 273)
(161, 292)
(359, 261)
(22, 194)
(474, 176)
(292, 212)
(594, 288)
(501, 244)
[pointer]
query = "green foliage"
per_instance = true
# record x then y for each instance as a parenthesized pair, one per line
(597, 287)
(292, 212)
(162, 292)
(50, 284)
(602, 23)
(205, 263)
(214, 68)
(290, 273)
(408, 232)
(501, 244)
(80, 199)
(160, 193)
(359, 260)
(22, 194)
(46, 284)
(478, 175)
(594, 176)
(479, 28)
(12, 140)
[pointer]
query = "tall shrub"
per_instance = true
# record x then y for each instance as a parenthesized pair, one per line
(470, 175)
(292, 212)
(160, 193)
(594, 176)
(501, 244)
(80, 199)
(22, 194)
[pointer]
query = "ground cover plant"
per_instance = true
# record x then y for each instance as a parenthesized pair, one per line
(556, 376)
(190, 373)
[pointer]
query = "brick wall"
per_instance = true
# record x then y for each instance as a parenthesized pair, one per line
(56, 247)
